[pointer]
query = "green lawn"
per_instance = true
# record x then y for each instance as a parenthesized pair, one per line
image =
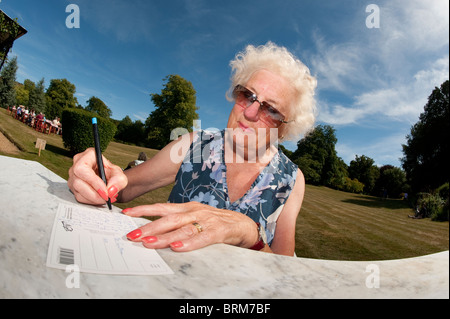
(331, 225)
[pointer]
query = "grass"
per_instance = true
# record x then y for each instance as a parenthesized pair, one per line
(344, 226)
(331, 225)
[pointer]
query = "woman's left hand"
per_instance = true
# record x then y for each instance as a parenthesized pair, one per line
(190, 226)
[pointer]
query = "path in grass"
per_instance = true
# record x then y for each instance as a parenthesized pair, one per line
(6, 146)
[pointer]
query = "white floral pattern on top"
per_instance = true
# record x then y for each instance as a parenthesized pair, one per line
(202, 178)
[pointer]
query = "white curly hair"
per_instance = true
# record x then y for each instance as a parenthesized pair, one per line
(280, 61)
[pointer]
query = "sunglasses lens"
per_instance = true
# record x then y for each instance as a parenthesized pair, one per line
(268, 114)
(243, 96)
(271, 115)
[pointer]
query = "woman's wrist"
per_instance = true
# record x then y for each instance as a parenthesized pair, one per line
(261, 241)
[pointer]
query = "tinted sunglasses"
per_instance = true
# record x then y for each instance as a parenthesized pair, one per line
(267, 113)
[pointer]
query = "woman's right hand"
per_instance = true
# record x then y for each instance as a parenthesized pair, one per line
(87, 186)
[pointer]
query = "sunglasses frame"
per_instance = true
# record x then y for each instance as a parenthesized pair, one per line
(251, 98)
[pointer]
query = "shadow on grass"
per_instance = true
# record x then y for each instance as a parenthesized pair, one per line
(58, 150)
(376, 202)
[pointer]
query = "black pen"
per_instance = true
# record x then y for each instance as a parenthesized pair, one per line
(98, 154)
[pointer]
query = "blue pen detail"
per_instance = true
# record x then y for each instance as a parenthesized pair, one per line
(98, 155)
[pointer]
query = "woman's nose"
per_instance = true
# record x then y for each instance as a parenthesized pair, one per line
(252, 112)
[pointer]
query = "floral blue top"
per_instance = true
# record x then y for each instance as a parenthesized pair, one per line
(202, 178)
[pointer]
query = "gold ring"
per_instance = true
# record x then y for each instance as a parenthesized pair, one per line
(198, 226)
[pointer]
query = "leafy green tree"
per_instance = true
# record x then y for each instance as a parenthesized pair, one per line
(286, 152)
(311, 169)
(26, 94)
(22, 94)
(29, 85)
(37, 100)
(98, 106)
(60, 96)
(339, 177)
(7, 83)
(131, 132)
(363, 169)
(316, 156)
(175, 107)
(393, 180)
(9, 30)
(426, 153)
(122, 129)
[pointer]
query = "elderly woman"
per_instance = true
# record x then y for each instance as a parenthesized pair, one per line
(232, 186)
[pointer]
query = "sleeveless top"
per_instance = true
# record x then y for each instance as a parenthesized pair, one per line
(202, 178)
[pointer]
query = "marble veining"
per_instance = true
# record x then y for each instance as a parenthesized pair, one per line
(30, 195)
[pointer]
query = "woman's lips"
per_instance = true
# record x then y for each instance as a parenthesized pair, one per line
(244, 127)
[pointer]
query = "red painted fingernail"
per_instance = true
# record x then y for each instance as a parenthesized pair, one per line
(126, 210)
(113, 200)
(134, 234)
(149, 239)
(112, 191)
(176, 244)
(102, 194)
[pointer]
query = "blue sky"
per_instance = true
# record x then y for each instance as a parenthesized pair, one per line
(372, 82)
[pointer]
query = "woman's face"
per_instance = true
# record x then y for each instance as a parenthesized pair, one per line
(248, 124)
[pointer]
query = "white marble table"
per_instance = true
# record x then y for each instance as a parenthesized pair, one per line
(30, 195)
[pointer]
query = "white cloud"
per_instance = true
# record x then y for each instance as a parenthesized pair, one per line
(82, 95)
(141, 116)
(415, 25)
(402, 102)
(387, 72)
(336, 65)
(387, 150)
(382, 77)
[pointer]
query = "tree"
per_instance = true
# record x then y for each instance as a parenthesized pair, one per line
(98, 106)
(426, 153)
(60, 95)
(393, 180)
(7, 83)
(29, 85)
(363, 169)
(22, 94)
(311, 169)
(286, 152)
(122, 129)
(37, 100)
(317, 158)
(339, 178)
(131, 132)
(10, 30)
(174, 108)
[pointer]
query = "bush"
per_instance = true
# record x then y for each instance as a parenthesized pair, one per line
(443, 191)
(430, 205)
(77, 130)
(352, 186)
(442, 214)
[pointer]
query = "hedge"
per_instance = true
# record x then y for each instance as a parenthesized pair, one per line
(77, 130)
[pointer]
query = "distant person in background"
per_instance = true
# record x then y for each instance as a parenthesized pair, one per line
(57, 124)
(142, 157)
